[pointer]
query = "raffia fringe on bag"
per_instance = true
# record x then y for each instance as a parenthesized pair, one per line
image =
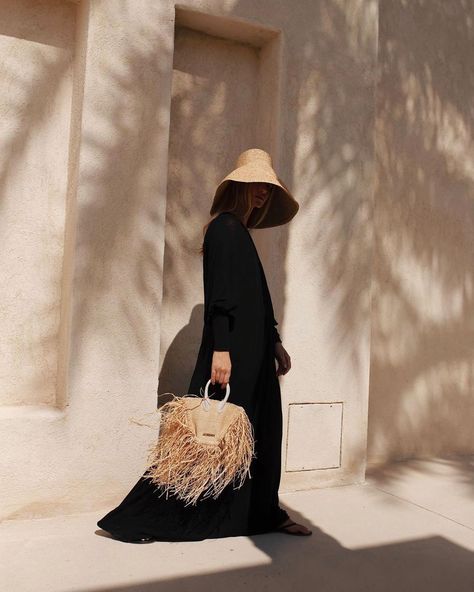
(202, 446)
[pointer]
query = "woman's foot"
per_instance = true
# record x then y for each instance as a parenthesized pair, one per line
(291, 527)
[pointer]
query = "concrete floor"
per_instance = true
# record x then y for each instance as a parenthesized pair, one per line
(408, 528)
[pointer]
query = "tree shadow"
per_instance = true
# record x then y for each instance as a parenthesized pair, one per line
(422, 306)
(320, 562)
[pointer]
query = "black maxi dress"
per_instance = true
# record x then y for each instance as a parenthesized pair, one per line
(239, 318)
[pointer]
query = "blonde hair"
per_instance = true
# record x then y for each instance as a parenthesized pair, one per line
(237, 198)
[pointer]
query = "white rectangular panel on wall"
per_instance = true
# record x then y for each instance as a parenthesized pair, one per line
(314, 436)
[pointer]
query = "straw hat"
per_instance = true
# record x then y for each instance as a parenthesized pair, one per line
(255, 165)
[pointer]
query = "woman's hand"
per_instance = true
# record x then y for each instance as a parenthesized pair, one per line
(283, 358)
(221, 367)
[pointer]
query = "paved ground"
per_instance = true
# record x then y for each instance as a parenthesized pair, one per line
(410, 527)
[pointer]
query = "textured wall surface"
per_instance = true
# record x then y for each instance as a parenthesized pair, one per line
(121, 117)
(79, 453)
(214, 113)
(37, 46)
(163, 100)
(422, 363)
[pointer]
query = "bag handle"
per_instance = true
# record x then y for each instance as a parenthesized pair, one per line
(206, 400)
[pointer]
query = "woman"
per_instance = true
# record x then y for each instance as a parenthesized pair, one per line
(239, 346)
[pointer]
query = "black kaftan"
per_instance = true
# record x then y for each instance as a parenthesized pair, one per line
(239, 318)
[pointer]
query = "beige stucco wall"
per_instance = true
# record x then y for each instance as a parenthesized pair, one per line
(36, 74)
(422, 362)
(147, 108)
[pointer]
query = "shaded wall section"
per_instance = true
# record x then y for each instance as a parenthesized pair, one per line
(81, 451)
(422, 354)
(214, 92)
(36, 71)
(215, 114)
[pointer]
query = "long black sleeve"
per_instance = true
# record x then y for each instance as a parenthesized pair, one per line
(222, 304)
(276, 335)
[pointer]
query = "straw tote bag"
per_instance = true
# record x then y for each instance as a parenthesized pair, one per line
(202, 446)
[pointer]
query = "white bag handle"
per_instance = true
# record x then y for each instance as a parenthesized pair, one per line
(206, 400)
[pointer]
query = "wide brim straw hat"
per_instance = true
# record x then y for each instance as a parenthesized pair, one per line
(255, 166)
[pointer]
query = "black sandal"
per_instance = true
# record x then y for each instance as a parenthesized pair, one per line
(284, 529)
(141, 540)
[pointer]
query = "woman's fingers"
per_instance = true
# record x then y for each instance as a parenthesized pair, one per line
(221, 376)
(225, 379)
(221, 368)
